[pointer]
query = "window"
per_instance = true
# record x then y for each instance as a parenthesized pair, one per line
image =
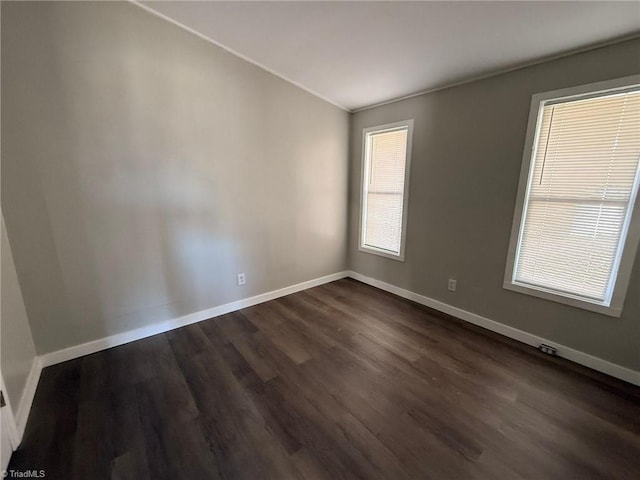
(576, 224)
(383, 213)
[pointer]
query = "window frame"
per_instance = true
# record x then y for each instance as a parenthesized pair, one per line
(366, 133)
(619, 281)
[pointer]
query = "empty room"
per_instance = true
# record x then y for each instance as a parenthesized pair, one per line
(320, 240)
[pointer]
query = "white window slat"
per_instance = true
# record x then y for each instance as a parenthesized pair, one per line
(584, 172)
(384, 175)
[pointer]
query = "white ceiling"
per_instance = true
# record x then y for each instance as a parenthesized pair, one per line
(357, 54)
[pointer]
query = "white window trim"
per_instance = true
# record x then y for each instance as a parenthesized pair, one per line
(408, 124)
(620, 282)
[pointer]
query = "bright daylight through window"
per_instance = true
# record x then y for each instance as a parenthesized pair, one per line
(575, 231)
(387, 150)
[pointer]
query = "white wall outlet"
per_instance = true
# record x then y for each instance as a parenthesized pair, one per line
(241, 279)
(452, 284)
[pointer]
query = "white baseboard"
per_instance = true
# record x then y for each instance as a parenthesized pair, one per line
(24, 406)
(8, 418)
(70, 353)
(17, 423)
(83, 349)
(569, 353)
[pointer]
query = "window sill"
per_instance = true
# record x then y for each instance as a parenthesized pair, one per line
(611, 311)
(382, 253)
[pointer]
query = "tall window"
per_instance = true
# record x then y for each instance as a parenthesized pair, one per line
(572, 239)
(387, 150)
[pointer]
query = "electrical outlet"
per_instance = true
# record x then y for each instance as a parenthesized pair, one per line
(548, 349)
(241, 279)
(452, 285)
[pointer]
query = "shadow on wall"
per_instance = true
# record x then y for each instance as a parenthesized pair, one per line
(131, 180)
(149, 175)
(147, 168)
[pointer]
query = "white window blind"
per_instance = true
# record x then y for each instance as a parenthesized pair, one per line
(580, 195)
(384, 189)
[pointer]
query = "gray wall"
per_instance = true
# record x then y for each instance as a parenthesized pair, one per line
(17, 350)
(143, 167)
(467, 152)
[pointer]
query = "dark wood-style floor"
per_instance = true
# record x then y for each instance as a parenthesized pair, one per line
(340, 381)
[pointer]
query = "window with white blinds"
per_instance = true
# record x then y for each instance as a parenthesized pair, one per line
(386, 154)
(580, 194)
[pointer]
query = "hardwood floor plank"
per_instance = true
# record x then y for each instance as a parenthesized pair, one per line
(336, 453)
(309, 467)
(341, 381)
(234, 326)
(131, 465)
(52, 426)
